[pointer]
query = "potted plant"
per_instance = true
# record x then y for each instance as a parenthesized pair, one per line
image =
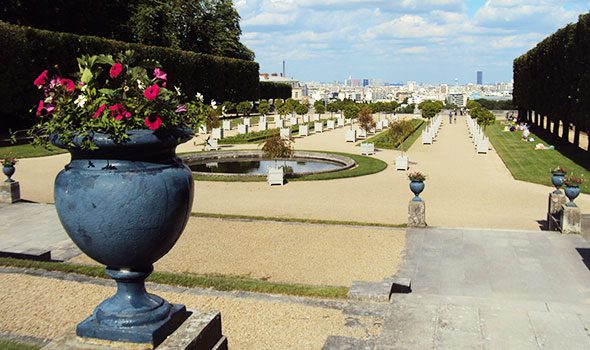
(572, 188)
(416, 185)
(557, 178)
(124, 198)
(275, 147)
(8, 168)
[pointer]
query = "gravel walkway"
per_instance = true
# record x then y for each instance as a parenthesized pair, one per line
(46, 308)
(285, 252)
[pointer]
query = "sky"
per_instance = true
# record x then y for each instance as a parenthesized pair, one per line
(428, 41)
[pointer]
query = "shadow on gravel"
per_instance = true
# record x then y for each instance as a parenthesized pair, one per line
(585, 254)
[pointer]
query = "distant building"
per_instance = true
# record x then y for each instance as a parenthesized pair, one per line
(298, 91)
(479, 77)
(365, 82)
(444, 89)
(459, 100)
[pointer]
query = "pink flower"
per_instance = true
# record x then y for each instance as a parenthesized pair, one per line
(180, 109)
(153, 122)
(151, 92)
(41, 79)
(159, 74)
(116, 69)
(119, 117)
(118, 112)
(68, 84)
(40, 108)
(99, 111)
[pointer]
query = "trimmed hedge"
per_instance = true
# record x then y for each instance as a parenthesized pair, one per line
(26, 52)
(270, 90)
(382, 139)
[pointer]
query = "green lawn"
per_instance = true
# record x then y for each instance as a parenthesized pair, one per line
(381, 140)
(28, 151)
(15, 345)
(527, 164)
(413, 137)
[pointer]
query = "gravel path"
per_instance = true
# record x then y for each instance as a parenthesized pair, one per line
(285, 252)
(46, 308)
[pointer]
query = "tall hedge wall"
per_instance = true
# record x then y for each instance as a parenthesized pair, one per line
(553, 78)
(272, 90)
(26, 52)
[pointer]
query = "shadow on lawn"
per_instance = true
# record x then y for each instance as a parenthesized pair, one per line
(575, 153)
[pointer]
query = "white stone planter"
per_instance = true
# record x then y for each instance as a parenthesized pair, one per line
(275, 176)
(338, 115)
(262, 126)
(293, 121)
(261, 120)
(306, 119)
(426, 137)
(331, 125)
(285, 133)
(303, 130)
(385, 123)
(217, 133)
(226, 124)
(212, 145)
(280, 123)
(367, 148)
(340, 122)
(361, 134)
(277, 118)
(316, 117)
(347, 121)
(379, 126)
(243, 129)
(401, 163)
(318, 127)
(247, 122)
(350, 136)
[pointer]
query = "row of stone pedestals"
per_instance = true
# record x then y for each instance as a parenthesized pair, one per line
(563, 217)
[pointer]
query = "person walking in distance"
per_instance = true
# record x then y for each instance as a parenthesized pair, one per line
(451, 117)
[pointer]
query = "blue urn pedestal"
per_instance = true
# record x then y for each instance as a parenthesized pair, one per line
(417, 187)
(572, 192)
(8, 170)
(557, 181)
(125, 205)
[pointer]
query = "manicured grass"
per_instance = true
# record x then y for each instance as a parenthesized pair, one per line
(6, 344)
(409, 142)
(260, 136)
(28, 151)
(527, 164)
(364, 166)
(380, 140)
(305, 221)
(189, 280)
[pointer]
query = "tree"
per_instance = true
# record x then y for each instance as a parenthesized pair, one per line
(244, 108)
(263, 107)
(291, 104)
(212, 120)
(319, 108)
(472, 104)
(351, 110)
(333, 107)
(275, 147)
(301, 109)
(278, 103)
(228, 107)
(430, 108)
(365, 119)
(483, 116)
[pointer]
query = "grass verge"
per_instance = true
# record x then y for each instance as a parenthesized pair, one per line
(6, 344)
(364, 166)
(527, 164)
(381, 139)
(29, 151)
(298, 220)
(217, 282)
(409, 141)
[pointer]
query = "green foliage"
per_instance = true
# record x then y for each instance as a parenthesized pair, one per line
(291, 104)
(6, 344)
(396, 134)
(386, 107)
(483, 116)
(430, 108)
(334, 106)
(552, 78)
(272, 90)
(228, 107)
(494, 105)
(29, 151)
(28, 51)
(406, 109)
(263, 107)
(244, 108)
(472, 104)
(301, 109)
(352, 110)
(318, 107)
(205, 26)
(276, 147)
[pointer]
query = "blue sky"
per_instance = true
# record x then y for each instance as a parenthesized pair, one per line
(430, 41)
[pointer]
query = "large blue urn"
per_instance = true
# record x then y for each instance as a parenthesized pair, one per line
(416, 187)
(125, 205)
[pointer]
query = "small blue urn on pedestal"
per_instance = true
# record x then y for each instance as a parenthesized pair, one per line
(417, 187)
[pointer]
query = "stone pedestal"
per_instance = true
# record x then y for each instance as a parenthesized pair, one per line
(417, 214)
(9, 192)
(571, 220)
(199, 331)
(554, 210)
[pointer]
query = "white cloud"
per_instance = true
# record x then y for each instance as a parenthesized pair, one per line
(406, 26)
(414, 49)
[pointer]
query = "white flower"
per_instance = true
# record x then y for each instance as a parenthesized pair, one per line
(178, 92)
(84, 87)
(80, 101)
(213, 104)
(140, 84)
(199, 96)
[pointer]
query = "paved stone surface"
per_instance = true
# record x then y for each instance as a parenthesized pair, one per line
(30, 227)
(478, 289)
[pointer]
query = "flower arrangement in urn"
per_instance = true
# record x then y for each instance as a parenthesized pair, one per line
(559, 170)
(417, 184)
(557, 177)
(416, 176)
(572, 188)
(111, 95)
(8, 167)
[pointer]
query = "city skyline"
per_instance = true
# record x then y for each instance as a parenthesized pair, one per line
(429, 41)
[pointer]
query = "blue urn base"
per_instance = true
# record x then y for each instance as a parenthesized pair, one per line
(133, 315)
